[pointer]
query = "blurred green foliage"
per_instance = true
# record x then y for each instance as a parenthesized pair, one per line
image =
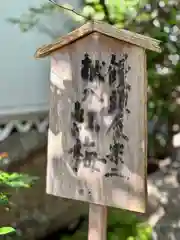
(6, 230)
(16, 180)
(13, 180)
(122, 225)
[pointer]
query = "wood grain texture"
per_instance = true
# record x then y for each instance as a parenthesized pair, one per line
(145, 128)
(102, 161)
(104, 28)
(97, 222)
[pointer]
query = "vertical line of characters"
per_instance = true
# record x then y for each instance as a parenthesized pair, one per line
(116, 78)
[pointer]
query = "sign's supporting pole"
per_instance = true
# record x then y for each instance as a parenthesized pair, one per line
(97, 222)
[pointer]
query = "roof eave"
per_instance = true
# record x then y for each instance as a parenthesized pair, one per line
(103, 28)
(78, 33)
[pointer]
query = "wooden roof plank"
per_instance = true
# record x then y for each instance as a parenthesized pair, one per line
(127, 36)
(103, 28)
(65, 40)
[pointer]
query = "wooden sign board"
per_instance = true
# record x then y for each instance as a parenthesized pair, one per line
(97, 122)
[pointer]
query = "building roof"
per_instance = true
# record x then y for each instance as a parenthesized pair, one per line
(103, 28)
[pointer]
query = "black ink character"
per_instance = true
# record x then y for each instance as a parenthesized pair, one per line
(122, 71)
(87, 92)
(112, 101)
(127, 70)
(77, 155)
(117, 122)
(117, 150)
(113, 59)
(77, 149)
(78, 113)
(119, 98)
(113, 174)
(112, 70)
(75, 130)
(125, 56)
(91, 118)
(112, 75)
(118, 130)
(89, 70)
(92, 124)
(97, 71)
(86, 70)
(126, 94)
(89, 159)
(97, 128)
(121, 74)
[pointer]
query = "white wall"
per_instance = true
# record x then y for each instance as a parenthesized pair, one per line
(23, 80)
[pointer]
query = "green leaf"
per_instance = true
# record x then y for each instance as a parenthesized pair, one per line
(143, 17)
(122, 216)
(16, 179)
(13, 20)
(88, 11)
(98, 8)
(131, 238)
(99, 16)
(91, 1)
(113, 236)
(4, 199)
(6, 230)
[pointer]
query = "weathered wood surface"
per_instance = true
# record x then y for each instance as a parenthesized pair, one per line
(97, 222)
(104, 28)
(97, 134)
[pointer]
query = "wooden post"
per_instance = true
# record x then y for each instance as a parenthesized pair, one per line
(97, 222)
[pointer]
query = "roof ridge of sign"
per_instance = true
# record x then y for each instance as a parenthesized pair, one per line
(105, 29)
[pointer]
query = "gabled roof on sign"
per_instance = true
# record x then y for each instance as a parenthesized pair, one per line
(103, 28)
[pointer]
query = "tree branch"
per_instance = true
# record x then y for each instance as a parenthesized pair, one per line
(67, 9)
(106, 12)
